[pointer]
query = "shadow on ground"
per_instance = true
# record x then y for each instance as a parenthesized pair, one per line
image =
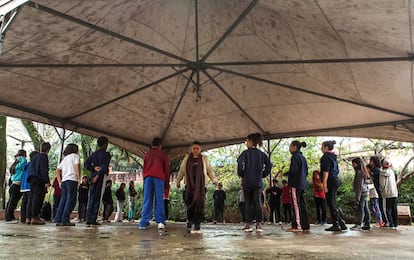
(126, 241)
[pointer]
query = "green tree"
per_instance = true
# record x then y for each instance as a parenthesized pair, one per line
(33, 132)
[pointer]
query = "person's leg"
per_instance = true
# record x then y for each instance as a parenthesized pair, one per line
(248, 197)
(272, 212)
(285, 212)
(148, 202)
(257, 204)
(323, 209)
(118, 211)
(278, 212)
(296, 214)
(381, 203)
(159, 200)
(394, 212)
(367, 215)
(29, 207)
(15, 196)
(60, 202)
(70, 202)
(166, 206)
(130, 207)
(96, 200)
(303, 211)
(23, 212)
(360, 212)
(318, 209)
(190, 211)
(38, 194)
(384, 206)
(105, 211)
(216, 213)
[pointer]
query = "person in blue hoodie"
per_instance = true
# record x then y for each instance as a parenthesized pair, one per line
(330, 172)
(98, 165)
(39, 182)
(25, 213)
(253, 165)
(298, 171)
(14, 191)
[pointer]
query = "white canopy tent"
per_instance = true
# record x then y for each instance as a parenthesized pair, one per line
(212, 71)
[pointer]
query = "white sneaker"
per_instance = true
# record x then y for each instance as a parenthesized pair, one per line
(161, 226)
(196, 231)
(279, 223)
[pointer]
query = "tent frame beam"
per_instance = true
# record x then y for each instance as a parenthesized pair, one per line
(129, 93)
(296, 88)
(104, 31)
(234, 102)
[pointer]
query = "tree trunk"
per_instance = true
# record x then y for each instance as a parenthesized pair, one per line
(33, 133)
(3, 160)
(402, 177)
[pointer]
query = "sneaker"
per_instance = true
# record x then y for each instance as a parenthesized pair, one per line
(366, 227)
(333, 228)
(215, 222)
(279, 223)
(196, 231)
(294, 230)
(12, 222)
(69, 224)
(356, 228)
(161, 226)
(142, 227)
(323, 223)
(96, 224)
(247, 228)
(317, 223)
(269, 223)
(259, 228)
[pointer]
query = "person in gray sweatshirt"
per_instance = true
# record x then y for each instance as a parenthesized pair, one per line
(389, 192)
(360, 184)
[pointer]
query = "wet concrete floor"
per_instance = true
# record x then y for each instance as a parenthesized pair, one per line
(126, 241)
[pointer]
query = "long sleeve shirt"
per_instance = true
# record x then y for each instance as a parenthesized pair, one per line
(40, 168)
(298, 171)
(99, 158)
(253, 165)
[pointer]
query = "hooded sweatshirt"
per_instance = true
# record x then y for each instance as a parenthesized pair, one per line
(388, 184)
(252, 166)
(329, 164)
(298, 171)
(360, 185)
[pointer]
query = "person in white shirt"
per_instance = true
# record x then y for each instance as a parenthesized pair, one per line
(68, 176)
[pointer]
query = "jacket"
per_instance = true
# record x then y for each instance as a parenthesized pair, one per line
(120, 195)
(19, 170)
(252, 166)
(329, 164)
(298, 171)
(40, 168)
(156, 165)
(208, 170)
(25, 186)
(388, 184)
(99, 158)
(360, 185)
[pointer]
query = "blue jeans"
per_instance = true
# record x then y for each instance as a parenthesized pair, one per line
(153, 187)
(363, 211)
(94, 198)
(67, 201)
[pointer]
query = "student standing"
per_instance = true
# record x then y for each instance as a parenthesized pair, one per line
(298, 171)
(275, 193)
(83, 199)
(98, 165)
(156, 175)
(361, 190)
(389, 192)
(107, 201)
(68, 176)
(14, 190)
(253, 165)
(194, 168)
(39, 182)
(287, 201)
(131, 200)
(120, 200)
(319, 197)
(219, 197)
(330, 172)
(375, 166)
(25, 213)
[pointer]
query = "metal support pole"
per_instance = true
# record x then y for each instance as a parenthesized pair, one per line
(269, 153)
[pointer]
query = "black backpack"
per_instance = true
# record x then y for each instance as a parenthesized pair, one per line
(46, 211)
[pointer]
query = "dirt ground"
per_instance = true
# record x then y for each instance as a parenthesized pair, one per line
(221, 241)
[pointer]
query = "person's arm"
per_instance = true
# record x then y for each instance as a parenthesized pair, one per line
(181, 171)
(167, 172)
(225, 197)
(58, 177)
(210, 171)
(241, 163)
(358, 185)
(44, 170)
(268, 166)
(325, 166)
(88, 164)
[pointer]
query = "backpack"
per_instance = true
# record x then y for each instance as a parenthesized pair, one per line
(46, 211)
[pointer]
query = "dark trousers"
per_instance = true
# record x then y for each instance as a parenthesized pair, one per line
(14, 198)
(275, 210)
(67, 201)
(381, 206)
(24, 208)
(253, 209)
(56, 202)
(300, 211)
(219, 212)
(287, 212)
(166, 205)
(94, 200)
(331, 198)
(391, 210)
(242, 209)
(193, 217)
(82, 210)
(320, 209)
(108, 210)
(37, 190)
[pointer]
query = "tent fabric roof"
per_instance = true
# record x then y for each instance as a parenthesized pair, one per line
(212, 71)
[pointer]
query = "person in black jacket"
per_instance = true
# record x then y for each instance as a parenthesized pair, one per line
(253, 165)
(298, 171)
(120, 200)
(330, 172)
(39, 182)
(107, 201)
(275, 193)
(219, 197)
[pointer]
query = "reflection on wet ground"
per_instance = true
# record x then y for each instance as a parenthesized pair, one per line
(126, 241)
